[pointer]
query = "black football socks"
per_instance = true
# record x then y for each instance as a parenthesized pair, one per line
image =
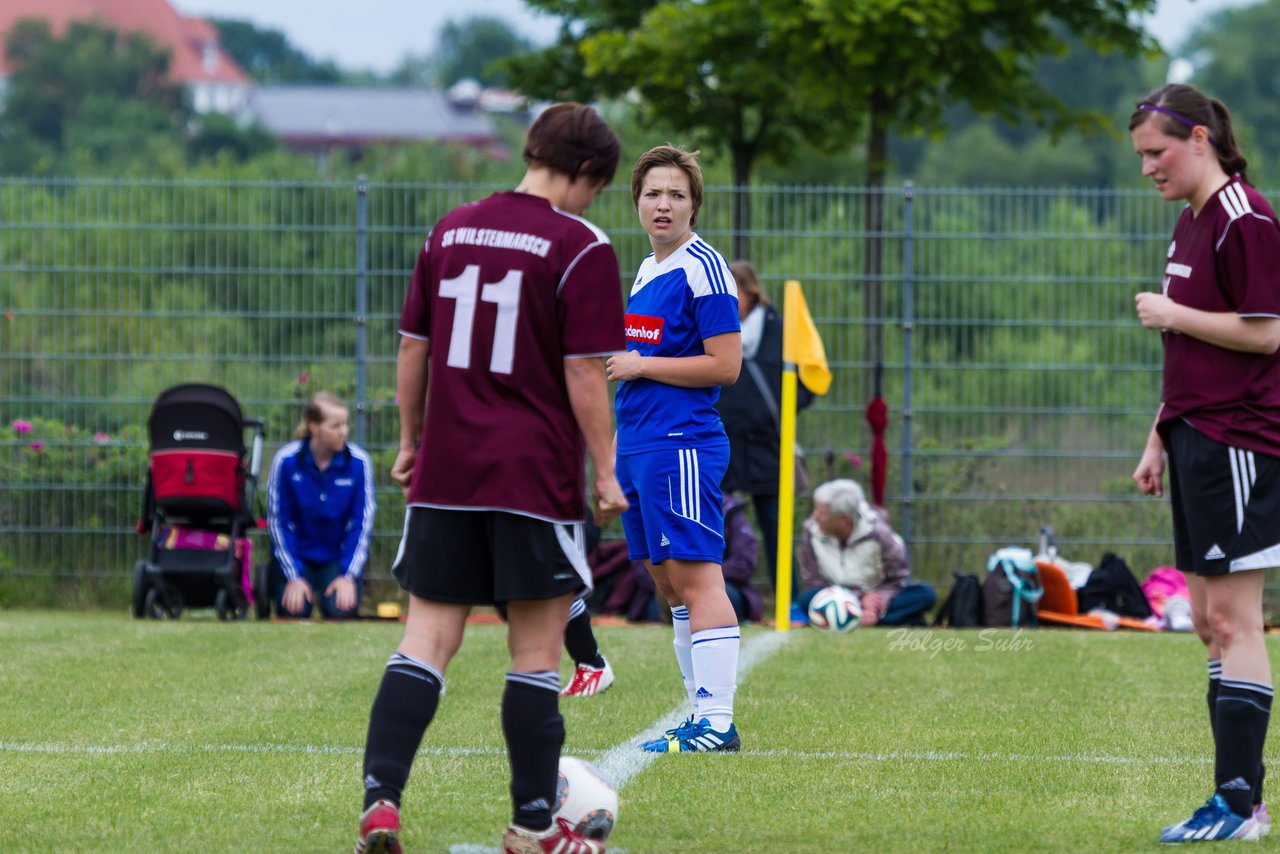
(403, 708)
(534, 731)
(579, 639)
(1243, 711)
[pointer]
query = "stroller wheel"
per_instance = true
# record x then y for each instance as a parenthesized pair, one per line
(231, 604)
(140, 589)
(163, 601)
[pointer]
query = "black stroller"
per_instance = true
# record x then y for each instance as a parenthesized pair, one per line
(198, 506)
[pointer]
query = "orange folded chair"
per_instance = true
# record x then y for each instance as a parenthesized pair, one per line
(1058, 605)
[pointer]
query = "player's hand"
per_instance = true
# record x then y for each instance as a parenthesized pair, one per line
(1155, 311)
(1149, 475)
(608, 499)
(402, 468)
(872, 605)
(345, 590)
(623, 366)
(297, 593)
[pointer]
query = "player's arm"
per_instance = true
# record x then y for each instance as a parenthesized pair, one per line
(1149, 475)
(411, 385)
(718, 365)
(355, 541)
(1224, 329)
(584, 378)
(281, 511)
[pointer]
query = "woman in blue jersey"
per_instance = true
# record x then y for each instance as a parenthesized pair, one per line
(683, 342)
(320, 506)
(1218, 427)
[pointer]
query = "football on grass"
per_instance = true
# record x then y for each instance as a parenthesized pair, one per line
(585, 798)
(835, 609)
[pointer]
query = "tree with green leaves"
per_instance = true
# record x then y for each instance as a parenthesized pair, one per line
(216, 134)
(1240, 69)
(719, 71)
(68, 96)
(267, 56)
(757, 76)
(904, 61)
(469, 50)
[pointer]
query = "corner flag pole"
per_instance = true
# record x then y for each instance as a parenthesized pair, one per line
(803, 357)
(786, 490)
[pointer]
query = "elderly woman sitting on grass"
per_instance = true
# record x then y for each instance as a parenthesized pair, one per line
(848, 541)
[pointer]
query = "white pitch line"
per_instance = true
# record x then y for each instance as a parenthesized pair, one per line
(952, 756)
(55, 749)
(162, 747)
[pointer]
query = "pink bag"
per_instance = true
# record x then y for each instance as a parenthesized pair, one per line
(1163, 583)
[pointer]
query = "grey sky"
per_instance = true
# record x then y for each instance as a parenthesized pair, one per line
(376, 34)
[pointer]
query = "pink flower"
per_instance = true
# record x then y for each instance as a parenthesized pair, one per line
(397, 400)
(101, 438)
(304, 378)
(37, 446)
(21, 427)
(855, 459)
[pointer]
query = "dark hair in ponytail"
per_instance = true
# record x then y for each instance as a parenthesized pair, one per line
(1180, 109)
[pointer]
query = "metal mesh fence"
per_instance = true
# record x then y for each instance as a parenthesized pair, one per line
(1019, 382)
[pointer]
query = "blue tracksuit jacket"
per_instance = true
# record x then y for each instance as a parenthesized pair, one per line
(320, 516)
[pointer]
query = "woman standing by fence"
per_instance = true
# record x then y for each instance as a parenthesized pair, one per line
(1219, 425)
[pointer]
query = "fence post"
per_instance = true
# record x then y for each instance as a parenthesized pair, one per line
(908, 321)
(362, 305)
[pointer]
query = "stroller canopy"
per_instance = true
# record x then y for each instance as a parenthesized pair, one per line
(196, 416)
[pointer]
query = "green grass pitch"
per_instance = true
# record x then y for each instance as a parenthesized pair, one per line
(195, 735)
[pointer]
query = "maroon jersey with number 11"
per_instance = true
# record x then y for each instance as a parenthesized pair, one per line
(505, 290)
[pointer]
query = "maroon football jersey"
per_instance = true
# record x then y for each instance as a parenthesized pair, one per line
(1225, 259)
(506, 289)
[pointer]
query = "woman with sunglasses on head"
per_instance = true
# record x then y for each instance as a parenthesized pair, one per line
(1218, 427)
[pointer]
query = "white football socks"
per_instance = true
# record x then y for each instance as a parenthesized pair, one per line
(684, 654)
(715, 667)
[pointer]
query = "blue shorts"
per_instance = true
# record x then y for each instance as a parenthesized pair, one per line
(676, 508)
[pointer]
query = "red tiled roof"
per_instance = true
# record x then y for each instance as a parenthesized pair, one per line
(185, 38)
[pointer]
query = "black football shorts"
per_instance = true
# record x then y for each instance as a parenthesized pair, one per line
(483, 557)
(1226, 504)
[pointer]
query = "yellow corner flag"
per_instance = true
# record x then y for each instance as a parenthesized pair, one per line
(801, 350)
(801, 344)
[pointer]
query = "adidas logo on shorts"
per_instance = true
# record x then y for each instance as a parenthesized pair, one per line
(1214, 553)
(664, 541)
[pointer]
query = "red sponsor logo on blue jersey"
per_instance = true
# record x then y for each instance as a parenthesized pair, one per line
(644, 328)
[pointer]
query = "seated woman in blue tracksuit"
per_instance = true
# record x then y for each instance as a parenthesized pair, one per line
(320, 506)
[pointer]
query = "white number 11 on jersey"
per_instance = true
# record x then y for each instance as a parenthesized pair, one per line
(504, 293)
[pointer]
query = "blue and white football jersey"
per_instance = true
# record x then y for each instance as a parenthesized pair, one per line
(673, 307)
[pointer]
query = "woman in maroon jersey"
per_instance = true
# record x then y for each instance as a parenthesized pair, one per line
(1218, 426)
(511, 309)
